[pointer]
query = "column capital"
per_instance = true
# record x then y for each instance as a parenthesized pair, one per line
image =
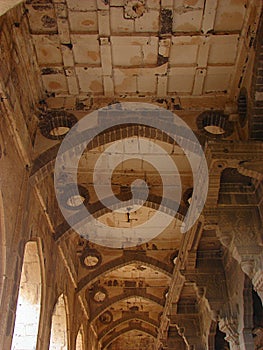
(229, 325)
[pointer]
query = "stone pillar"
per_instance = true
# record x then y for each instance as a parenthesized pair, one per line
(189, 325)
(211, 336)
(248, 342)
(229, 325)
(211, 285)
(175, 341)
(239, 232)
(163, 333)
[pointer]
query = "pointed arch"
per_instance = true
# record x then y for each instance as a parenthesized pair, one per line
(132, 327)
(98, 209)
(124, 296)
(58, 334)
(125, 319)
(80, 339)
(128, 258)
(29, 300)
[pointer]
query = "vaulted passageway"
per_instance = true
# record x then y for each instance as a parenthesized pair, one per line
(145, 230)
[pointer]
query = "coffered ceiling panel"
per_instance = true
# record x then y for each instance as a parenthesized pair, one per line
(187, 16)
(85, 22)
(86, 49)
(48, 50)
(82, 5)
(230, 15)
(134, 51)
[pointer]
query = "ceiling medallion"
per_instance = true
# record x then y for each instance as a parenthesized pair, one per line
(99, 294)
(214, 124)
(91, 258)
(73, 200)
(106, 317)
(56, 124)
(134, 8)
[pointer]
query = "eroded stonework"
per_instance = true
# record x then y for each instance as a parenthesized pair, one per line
(201, 60)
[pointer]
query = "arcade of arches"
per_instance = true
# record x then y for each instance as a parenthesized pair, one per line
(61, 60)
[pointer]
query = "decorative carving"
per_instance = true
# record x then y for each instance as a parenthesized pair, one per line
(248, 267)
(71, 199)
(98, 294)
(239, 227)
(90, 258)
(214, 285)
(229, 325)
(239, 232)
(134, 8)
(258, 283)
(252, 168)
(106, 317)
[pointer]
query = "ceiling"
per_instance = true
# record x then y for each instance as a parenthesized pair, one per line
(138, 48)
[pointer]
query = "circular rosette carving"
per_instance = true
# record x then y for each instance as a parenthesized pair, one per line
(134, 8)
(106, 317)
(99, 294)
(72, 198)
(91, 258)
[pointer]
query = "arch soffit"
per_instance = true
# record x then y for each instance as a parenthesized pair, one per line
(98, 209)
(116, 335)
(125, 260)
(122, 320)
(124, 296)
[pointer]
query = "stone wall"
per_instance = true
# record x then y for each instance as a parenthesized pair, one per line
(21, 89)
(22, 215)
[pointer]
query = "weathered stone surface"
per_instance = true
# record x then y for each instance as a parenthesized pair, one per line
(176, 291)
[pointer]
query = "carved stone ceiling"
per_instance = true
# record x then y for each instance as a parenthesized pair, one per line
(143, 48)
